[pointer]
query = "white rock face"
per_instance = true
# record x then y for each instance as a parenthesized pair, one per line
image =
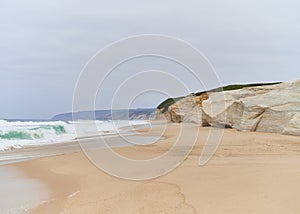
(273, 111)
(274, 108)
(186, 110)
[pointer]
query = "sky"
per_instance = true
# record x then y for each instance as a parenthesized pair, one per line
(44, 45)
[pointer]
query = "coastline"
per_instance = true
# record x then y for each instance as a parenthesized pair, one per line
(29, 152)
(251, 172)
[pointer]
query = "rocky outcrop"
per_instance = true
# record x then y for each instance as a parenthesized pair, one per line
(271, 108)
(188, 109)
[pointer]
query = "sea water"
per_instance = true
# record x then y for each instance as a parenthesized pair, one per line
(17, 134)
(18, 193)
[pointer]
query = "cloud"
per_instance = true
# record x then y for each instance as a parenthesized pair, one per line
(45, 44)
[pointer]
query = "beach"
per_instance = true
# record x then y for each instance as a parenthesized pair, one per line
(150, 107)
(249, 173)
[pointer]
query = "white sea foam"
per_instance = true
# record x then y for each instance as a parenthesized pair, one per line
(15, 135)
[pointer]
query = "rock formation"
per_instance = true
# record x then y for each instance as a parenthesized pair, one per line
(269, 108)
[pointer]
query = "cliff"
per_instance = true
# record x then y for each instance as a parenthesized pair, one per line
(271, 107)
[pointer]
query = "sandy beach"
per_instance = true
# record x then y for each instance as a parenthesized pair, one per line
(250, 173)
(149, 107)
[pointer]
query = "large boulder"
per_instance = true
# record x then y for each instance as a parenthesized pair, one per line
(188, 109)
(276, 108)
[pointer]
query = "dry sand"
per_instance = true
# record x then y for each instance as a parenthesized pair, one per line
(250, 173)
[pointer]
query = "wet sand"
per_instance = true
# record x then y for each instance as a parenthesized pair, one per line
(19, 193)
(250, 173)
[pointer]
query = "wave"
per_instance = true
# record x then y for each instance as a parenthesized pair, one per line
(16, 134)
(19, 133)
(34, 133)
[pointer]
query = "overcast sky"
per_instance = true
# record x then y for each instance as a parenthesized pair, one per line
(45, 44)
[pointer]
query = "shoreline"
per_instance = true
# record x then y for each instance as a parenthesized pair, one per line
(30, 152)
(244, 161)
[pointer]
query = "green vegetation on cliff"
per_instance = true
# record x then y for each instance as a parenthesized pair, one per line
(165, 104)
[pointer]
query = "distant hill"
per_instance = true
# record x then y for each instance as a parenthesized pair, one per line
(121, 114)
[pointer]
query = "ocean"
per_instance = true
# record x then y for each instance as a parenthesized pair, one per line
(16, 134)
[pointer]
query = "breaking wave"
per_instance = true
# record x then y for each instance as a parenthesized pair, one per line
(16, 134)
